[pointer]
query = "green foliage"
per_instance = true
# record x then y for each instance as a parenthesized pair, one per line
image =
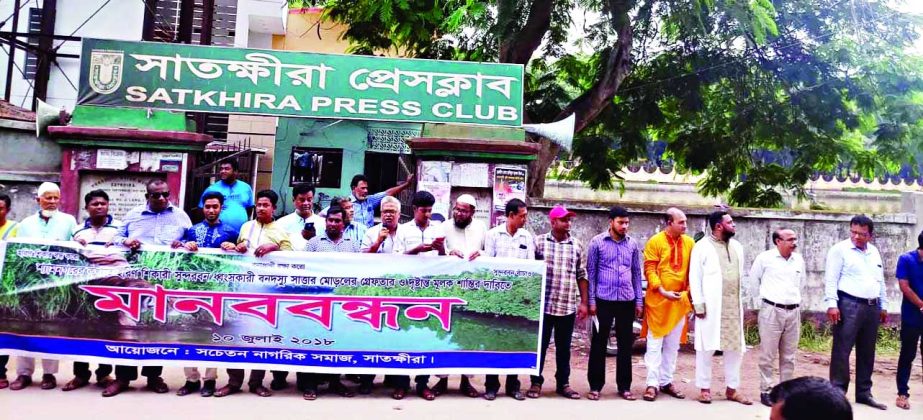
(520, 301)
(821, 83)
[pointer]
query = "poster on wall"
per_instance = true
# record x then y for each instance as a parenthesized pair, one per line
(435, 171)
(509, 183)
(475, 175)
(442, 210)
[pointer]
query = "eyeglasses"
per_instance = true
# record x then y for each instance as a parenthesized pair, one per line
(859, 234)
(163, 194)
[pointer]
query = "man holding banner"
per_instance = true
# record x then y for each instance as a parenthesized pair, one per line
(6, 226)
(158, 222)
(513, 228)
(259, 237)
(332, 240)
(210, 233)
(53, 225)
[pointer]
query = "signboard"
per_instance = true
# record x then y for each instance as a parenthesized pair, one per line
(317, 312)
(509, 183)
(281, 83)
(125, 190)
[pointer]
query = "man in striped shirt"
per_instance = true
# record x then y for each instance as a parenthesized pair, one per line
(614, 271)
(565, 276)
(504, 244)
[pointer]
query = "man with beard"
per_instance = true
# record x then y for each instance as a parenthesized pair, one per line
(302, 224)
(780, 274)
(332, 240)
(210, 233)
(666, 304)
(258, 237)
(52, 225)
(614, 271)
(464, 237)
(238, 196)
(99, 229)
(156, 223)
(503, 248)
(716, 268)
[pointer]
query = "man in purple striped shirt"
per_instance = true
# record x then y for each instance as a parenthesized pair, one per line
(614, 272)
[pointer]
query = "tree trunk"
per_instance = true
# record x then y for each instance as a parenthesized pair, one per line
(588, 106)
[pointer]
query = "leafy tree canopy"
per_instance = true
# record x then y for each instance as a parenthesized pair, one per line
(722, 83)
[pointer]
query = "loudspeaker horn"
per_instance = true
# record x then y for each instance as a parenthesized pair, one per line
(560, 132)
(45, 115)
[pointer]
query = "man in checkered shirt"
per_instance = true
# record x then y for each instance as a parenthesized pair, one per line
(566, 275)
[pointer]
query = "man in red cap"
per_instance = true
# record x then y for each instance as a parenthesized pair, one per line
(566, 275)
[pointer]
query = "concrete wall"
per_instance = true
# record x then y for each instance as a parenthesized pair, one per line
(34, 161)
(817, 231)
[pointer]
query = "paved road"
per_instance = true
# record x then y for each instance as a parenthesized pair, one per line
(86, 403)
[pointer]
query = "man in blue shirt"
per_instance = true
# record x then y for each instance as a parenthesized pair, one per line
(210, 233)
(158, 222)
(366, 204)
(910, 280)
(238, 196)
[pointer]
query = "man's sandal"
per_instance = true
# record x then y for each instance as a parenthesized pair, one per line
(736, 397)
(627, 395)
(903, 401)
(704, 397)
(671, 390)
(592, 395)
(568, 392)
(534, 391)
(650, 394)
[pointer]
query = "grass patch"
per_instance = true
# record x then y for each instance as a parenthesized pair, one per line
(818, 338)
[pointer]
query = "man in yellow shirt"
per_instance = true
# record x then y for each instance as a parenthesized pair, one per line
(666, 305)
(258, 237)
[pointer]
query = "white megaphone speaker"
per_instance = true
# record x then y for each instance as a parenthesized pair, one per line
(560, 132)
(46, 114)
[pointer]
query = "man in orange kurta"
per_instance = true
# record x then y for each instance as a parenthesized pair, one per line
(667, 304)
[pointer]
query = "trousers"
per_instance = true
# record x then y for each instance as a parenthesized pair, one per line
(623, 314)
(780, 330)
(660, 357)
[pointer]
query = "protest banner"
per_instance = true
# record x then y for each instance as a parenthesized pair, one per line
(318, 312)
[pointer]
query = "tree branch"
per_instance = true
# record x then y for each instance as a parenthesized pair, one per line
(618, 63)
(519, 48)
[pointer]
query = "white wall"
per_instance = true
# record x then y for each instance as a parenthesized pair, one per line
(120, 19)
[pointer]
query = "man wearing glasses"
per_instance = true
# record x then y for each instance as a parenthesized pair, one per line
(854, 288)
(158, 222)
(780, 274)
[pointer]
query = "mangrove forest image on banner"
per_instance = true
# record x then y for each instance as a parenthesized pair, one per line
(317, 312)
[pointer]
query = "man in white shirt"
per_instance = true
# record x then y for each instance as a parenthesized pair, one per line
(302, 224)
(382, 238)
(464, 236)
(780, 274)
(48, 224)
(854, 288)
(421, 236)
